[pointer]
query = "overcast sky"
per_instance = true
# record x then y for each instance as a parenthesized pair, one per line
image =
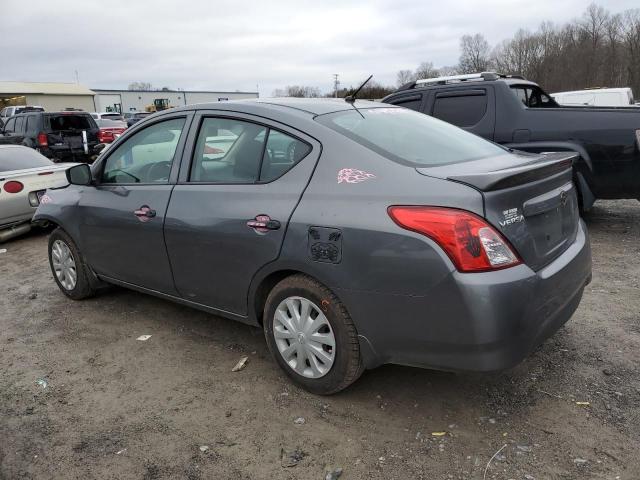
(236, 45)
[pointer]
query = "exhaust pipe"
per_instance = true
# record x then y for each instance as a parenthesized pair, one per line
(14, 231)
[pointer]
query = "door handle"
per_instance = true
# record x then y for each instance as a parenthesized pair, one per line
(144, 212)
(263, 223)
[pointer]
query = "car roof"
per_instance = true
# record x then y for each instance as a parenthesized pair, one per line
(311, 106)
(5, 147)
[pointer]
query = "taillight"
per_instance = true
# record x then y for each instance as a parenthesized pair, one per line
(470, 242)
(42, 140)
(13, 187)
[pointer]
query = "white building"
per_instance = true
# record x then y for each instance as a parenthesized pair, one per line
(137, 100)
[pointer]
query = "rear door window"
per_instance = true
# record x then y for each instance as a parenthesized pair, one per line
(463, 109)
(236, 151)
(228, 151)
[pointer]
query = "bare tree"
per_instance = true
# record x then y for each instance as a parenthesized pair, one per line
(449, 70)
(299, 91)
(426, 70)
(474, 54)
(599, 49)
(405, 76)
(140, 86)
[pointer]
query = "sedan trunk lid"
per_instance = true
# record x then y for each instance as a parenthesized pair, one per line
(530, 199)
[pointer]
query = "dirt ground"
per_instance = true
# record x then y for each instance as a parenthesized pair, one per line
(170, 407)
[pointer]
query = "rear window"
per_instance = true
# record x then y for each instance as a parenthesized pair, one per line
(66, 121)
(17, 158)
(408, 137)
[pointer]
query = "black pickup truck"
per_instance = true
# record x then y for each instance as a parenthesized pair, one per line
(518, 114)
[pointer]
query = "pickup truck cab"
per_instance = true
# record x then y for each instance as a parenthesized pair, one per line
(518, 114)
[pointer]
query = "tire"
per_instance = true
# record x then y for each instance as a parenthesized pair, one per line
(315, 373)
(58, 240)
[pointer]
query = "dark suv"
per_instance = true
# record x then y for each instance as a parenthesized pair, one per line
(60, 136)
(518, 114)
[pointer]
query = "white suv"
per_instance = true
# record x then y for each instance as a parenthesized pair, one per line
(7, 112)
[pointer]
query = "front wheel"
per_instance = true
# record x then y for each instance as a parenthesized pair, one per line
(68, 267)
(311, 335)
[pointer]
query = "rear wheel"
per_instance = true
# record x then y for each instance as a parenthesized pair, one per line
(67, 266)
(311, 335)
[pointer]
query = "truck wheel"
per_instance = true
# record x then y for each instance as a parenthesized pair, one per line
(311, 336)
(68, 267)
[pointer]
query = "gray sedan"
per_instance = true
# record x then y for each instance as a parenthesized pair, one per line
(354, 234)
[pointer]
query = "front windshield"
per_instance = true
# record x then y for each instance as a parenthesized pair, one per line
(409, 137)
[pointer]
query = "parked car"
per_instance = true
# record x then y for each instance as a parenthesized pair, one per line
(67, 136)
(134, 117)
(388, 237)
(518, 114)
(7, 112)
(109, 130)
(107, 116)
(25, 176)
(599, 97)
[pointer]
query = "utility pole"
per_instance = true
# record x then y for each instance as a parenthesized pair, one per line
(336, 84)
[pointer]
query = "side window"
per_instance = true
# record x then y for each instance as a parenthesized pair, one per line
(412, 102)
(31, 123)
(19, 125)
(228, 151)
(282, 153)
(534, 97)
(10, 126)
(460, 110)
(147, 156)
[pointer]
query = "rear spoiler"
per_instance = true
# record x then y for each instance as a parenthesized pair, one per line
(543, 166)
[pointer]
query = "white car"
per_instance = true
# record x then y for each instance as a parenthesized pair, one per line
(107, 116)
(25, 175)
(596, 97)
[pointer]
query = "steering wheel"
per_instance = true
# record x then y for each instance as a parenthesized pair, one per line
(158, 171)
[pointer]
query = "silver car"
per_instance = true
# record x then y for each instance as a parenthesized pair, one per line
(25, 175)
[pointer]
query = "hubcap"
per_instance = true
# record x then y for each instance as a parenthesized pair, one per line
(64, 265)
(304, 337)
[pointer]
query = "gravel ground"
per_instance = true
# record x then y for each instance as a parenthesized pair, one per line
(170, 407)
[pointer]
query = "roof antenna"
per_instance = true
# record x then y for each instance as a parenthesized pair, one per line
(352, 98)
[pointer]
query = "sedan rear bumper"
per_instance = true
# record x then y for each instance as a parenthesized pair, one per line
(474, 322)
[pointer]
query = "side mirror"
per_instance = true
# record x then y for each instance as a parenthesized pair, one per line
(79, 174)
(99, 147)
